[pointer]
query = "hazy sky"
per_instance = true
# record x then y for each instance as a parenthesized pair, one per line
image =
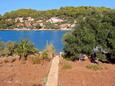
(8, 5)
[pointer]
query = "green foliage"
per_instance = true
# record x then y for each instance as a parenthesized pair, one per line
(2, 45)
(35, 60)
(101, 57)
(91, 31)
(44, 55)
(11, 47)
(4, 51)
(67, 13)
(24, 48)
(21, 13)
(94, 67)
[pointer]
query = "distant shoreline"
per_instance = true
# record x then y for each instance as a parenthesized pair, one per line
(34, 29)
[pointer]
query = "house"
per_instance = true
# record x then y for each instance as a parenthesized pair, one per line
(28, 24)
(9, 19)
(30, 19)
(73, 25)
(20, 25)
(62, 26)
(39, 21)
(20, 19)
(55, 20)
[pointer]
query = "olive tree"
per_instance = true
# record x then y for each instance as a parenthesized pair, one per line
(90, 32)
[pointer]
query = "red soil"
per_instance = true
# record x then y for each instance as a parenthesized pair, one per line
(18, 74)
(79, 75)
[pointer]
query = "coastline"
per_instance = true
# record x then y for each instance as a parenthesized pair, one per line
(63, 29)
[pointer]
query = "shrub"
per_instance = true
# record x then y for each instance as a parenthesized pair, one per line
(48, 52)
(44, 81)
(7, 48)
(35, 60)
(90, 32)
(5, 52)
(44, 55)
(94, 67)
(67, 66)
(24, 48)
(101, 57)
(2, 46)
(11, 47)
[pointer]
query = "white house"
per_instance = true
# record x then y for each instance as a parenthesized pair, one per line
(20, 19)
(55, 20)
(30, 19)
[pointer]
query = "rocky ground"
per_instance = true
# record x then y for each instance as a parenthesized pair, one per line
(77, 74)
(23, 74)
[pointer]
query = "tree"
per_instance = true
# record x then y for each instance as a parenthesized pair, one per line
(69, 14)
(24, 48)
(90, 32)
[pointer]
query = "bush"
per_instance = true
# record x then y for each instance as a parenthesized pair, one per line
(94, 67)
(44, 55)
(48, 52)
(101, 57)
(35, 60)
(11, 47)
(44, 81)
(25, 48)
(90, 32)
(67, 65)
(7, 49)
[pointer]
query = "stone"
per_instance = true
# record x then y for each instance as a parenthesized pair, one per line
(9, 59)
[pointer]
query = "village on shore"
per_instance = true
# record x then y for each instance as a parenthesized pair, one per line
(30, 23)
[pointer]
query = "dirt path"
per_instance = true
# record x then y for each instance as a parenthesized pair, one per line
(53, 74)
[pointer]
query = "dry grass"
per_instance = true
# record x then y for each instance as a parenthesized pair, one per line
(94, 67)
(66, 65)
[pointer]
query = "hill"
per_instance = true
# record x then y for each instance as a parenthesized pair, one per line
(63, 18)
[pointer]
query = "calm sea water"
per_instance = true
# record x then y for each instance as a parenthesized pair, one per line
(39, 38)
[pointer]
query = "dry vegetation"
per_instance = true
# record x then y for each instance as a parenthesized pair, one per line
(23, 74)
(25, 67)
(86, 74)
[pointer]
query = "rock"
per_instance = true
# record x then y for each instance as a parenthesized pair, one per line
(16, 57)
(9, 59)
(83, 57)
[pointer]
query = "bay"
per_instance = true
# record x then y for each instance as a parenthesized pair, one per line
(39, 38)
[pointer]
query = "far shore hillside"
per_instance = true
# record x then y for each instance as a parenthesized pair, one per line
(64, 18)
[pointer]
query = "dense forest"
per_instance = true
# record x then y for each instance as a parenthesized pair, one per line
(34, 19)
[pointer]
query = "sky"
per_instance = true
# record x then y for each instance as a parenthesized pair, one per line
(9, 5)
